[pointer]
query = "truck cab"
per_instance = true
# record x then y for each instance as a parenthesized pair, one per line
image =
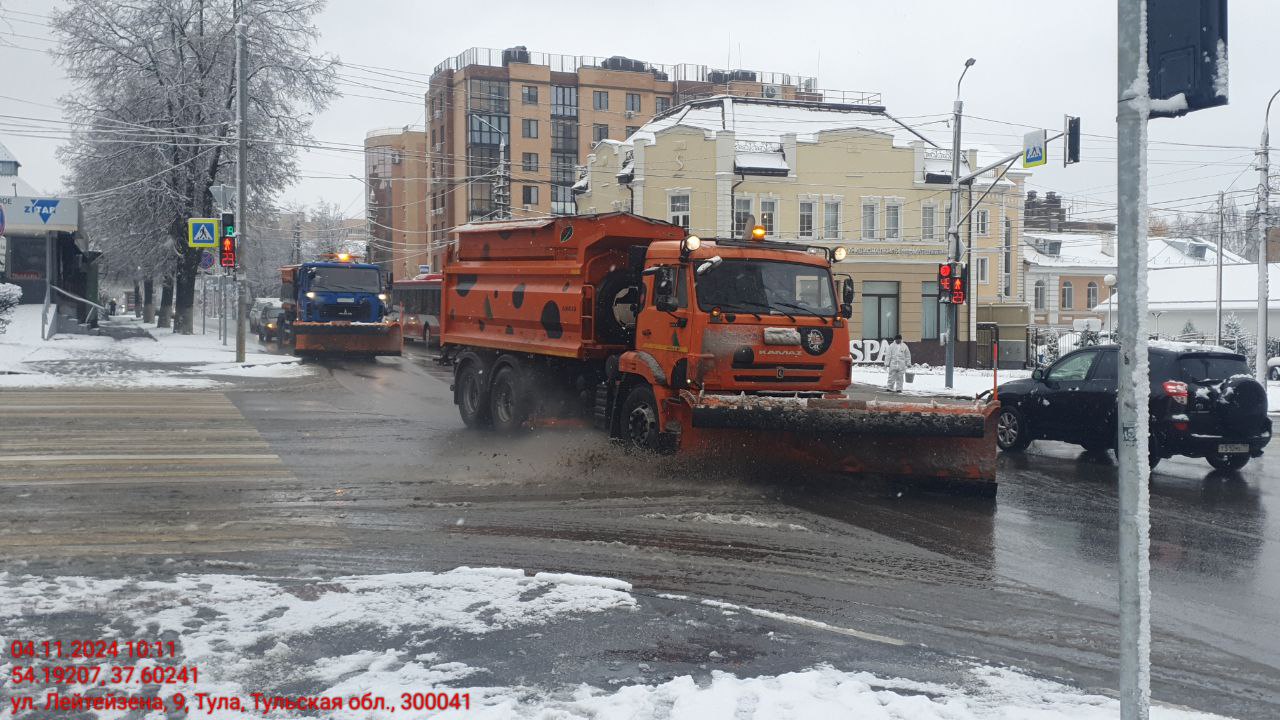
(334, 291)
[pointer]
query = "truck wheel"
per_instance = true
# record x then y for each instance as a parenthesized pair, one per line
(473, 397)
(640, 418)
(508, 401)
(1012, 433)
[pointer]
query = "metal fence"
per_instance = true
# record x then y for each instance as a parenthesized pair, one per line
(1042, 342)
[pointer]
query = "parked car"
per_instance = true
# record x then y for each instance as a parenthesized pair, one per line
(255, 311)
(267, 320)
(1204, 403)
(1273, 368)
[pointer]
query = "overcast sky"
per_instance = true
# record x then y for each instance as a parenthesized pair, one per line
(1036, 61)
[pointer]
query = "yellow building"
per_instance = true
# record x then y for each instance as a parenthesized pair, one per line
(396, 200)
(828, 174)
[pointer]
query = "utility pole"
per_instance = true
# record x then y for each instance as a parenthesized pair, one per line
(1217, 314)
(953, 228)
(242, 175)
(1264, 196)
(1132, 442)
(297, 240)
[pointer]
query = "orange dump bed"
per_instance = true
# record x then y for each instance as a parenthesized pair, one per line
(530, 285)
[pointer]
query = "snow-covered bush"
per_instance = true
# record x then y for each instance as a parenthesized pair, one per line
(1088, 337)
(9, 297)
(1050, 339)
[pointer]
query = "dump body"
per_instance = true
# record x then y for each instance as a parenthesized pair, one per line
(337, 308)
(676, 343)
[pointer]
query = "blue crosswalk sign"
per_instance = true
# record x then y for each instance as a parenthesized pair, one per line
(202, 232)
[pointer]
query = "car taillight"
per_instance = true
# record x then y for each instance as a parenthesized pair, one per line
(1177, 390)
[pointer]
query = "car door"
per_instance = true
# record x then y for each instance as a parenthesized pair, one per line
(1100, 397)
(1060, 406)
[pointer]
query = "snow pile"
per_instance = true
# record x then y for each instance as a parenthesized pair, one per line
(927, 382)
(252, 635)
(728, 519)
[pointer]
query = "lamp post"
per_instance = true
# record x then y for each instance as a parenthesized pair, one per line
(1156, 314)
(1264, 192)
(953, 227)
(501, 189)
(1110, 281)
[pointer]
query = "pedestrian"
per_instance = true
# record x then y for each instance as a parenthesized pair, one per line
(897, 358)
(111, 308)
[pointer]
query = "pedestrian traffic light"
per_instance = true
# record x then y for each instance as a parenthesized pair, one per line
(952, 285)
(227, 252)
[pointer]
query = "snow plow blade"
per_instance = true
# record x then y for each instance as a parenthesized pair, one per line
(952, 440)
(347, 338)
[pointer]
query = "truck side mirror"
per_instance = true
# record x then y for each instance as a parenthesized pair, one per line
(664, 290)
(846, 310)
(847, 289)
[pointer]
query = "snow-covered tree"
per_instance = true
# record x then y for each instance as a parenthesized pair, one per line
(1049, 338)
(9, 297)
(154, 112)
(1189, 332)
(1234, 337)
(1089, 337)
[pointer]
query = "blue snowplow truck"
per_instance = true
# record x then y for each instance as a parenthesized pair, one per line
(336, 307)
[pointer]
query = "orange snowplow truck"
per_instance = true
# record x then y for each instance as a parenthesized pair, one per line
(673, 342)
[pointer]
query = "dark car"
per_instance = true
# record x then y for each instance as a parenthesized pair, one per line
(1204, 403)
(268, 323)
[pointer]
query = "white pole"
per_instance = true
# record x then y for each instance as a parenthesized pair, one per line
(1264, 192)
(1217, 316)
(953, 229)
(1134, 390)
(242, 175)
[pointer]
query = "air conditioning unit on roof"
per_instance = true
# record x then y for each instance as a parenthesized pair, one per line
(772, 91)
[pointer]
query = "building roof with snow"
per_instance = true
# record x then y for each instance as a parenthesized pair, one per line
(1097, 251)
(10, 183)
(1195, 288)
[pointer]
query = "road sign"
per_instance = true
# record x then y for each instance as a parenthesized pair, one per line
(206, 260)
(1, 221)
(1033, 153)
(202, 232)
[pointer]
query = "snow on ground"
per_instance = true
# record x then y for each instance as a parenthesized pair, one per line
(249, 634)
(968, 382)
(728, 519)
(1273, 396)
(164, 360)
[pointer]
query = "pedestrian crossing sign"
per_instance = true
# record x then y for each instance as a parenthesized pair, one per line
(202, 232)
(1033, 144)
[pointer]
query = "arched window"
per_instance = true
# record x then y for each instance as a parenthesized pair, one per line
(1091, 294)
(1068, 295)
(1039, 294)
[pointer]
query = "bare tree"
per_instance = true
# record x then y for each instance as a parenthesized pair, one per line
(154, 107)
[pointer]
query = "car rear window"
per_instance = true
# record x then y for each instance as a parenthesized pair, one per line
(1200, 367)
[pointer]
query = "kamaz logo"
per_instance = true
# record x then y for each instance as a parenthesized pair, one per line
(44, 208)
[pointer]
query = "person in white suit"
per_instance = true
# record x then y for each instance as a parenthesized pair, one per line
(897, 358)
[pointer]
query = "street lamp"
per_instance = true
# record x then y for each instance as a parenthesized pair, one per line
(953, 228)
(1110, 281)
(1264, 191)
(1156, 314)
(500, 187)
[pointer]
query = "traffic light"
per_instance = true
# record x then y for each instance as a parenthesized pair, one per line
(953, 286)
(227, 245)
(1071, 146)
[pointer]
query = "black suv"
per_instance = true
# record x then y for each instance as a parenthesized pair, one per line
(1204, 403)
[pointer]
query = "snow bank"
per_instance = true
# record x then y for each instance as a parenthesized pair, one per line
(728, 519)
(929, 381)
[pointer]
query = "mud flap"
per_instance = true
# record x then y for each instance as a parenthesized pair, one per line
(347, 339)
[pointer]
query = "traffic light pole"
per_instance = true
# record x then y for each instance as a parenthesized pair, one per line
(242, 152)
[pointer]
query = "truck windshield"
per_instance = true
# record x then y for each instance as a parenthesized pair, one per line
(758, 286)
(346, 279)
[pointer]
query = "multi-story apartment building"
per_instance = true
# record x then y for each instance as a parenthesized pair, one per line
(829, 174)
(396, 200)
(509, 129)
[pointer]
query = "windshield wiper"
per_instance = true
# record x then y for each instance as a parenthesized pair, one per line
(806, 311)
(738, 304)
(768, 306)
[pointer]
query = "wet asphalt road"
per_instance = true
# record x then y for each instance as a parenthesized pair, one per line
(382, 477)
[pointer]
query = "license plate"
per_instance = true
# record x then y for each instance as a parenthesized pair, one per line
(1232, 449)
(346, 300)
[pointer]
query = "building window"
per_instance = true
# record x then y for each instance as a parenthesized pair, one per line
(1038, 294)
(806, 218)
(661, 104)
(983, 270)
(633, 102)
(741, 216)
(600, 99)
(529, 128)
(530, 195)
(981, 221)
(928, 218)
(678, 210)
(1068, 295)
(1091, 295)
(529, 94)
(1006, 262)
(564, 137)
(879, 309)
(599, 131)
(529, 162)
(892, 221)
(930, 310)
(869, 210)
(632, 130)
(768, 212)
(488, 96)
(564, 101)
(488, 129)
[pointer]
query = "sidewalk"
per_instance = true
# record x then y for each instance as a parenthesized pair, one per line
(142, 357)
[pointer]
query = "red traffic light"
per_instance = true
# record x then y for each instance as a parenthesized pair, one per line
(227, 253)
(944, 270)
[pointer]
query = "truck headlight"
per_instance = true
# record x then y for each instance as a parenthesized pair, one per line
(382, 297)
(311, 294)
(691, 243)
(839, 253)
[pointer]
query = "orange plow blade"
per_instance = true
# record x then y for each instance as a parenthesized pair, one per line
(949, 441)
(347, 338)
